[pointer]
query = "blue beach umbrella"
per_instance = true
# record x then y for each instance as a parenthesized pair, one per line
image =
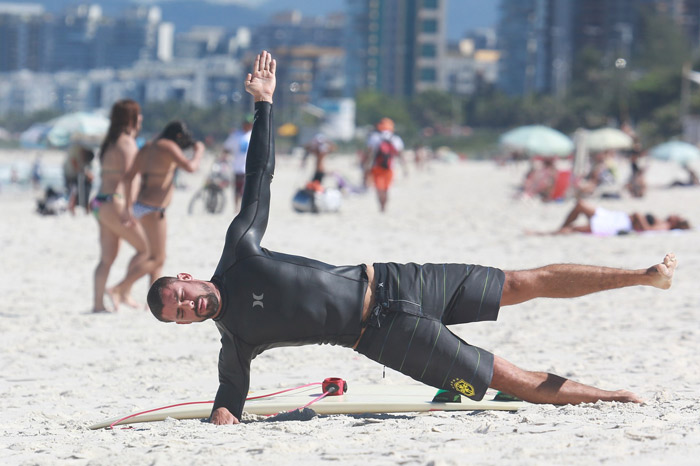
(676, 151)
(537, 140)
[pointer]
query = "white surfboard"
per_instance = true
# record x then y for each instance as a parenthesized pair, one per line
(359, 399)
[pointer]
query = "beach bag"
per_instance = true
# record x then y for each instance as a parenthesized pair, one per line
(385, 153)
(308, 200)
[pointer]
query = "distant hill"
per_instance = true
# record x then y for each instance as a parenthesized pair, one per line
(463, 15)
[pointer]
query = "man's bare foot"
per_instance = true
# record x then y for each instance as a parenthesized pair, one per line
(662, 274)
(624, 396)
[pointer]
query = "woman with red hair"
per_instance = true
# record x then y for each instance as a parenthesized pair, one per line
(116, 157)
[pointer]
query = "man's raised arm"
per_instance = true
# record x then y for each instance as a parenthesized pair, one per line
(247, 229)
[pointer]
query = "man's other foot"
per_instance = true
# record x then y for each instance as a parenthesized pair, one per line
(624, 396)
(662, 274)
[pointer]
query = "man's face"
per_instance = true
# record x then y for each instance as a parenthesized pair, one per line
(187, 300)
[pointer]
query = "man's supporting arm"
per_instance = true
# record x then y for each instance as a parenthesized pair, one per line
(234, 380)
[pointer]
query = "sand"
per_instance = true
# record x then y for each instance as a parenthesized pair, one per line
(64, 368)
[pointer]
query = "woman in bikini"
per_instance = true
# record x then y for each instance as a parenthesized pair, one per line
(156, 162)
(117, 154)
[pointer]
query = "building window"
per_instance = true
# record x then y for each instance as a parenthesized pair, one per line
(431, 4)
(430, 26)
(428, 74)
(428, 50)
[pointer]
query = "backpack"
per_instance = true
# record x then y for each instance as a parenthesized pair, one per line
(385, 153)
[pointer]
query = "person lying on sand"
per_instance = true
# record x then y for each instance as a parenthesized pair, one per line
(394, 314)
(604, 222)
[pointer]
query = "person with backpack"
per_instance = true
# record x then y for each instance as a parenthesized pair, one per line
(383, 146)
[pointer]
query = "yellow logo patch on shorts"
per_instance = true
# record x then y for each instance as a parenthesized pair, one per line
(463, 387)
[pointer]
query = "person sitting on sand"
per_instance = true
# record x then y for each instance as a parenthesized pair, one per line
(260, 299)
(606, 222)
(693, 179)
(540, 179)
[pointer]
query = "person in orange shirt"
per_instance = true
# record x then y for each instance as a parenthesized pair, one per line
(383, 146)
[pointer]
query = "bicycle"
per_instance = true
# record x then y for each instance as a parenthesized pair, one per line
(211, 197)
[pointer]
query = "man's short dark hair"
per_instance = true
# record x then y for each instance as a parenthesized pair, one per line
(155, 298)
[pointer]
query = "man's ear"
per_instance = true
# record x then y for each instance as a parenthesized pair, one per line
(184, 276)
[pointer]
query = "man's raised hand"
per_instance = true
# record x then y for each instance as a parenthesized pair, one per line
(261, 82)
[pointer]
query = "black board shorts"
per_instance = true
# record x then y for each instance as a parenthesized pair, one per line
(406, 329)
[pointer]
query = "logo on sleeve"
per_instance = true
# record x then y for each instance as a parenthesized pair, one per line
(258, 300)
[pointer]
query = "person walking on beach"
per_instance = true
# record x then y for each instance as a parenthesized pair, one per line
(156, 163)
(319, 146)
(260, 299)
(78, 176)
(383, 146)
(236, 146)
(117, 154)
(604, 222)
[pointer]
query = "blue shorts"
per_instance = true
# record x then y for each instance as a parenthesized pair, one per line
(406, 329)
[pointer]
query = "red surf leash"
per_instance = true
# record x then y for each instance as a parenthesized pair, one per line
(332, 386)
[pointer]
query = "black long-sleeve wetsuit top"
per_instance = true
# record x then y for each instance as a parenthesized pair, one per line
(270, 299)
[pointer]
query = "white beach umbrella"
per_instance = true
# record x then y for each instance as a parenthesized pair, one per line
(86, 126)
(602, 139)
(537, 140)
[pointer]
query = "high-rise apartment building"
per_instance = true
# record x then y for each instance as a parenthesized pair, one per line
(608, 26)
(292, 29)
(73, 42)
(686, 13)
(128, 38)
(541, 39)
(535, 39)
(23, 37)
(395, 46)
(81, 38)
